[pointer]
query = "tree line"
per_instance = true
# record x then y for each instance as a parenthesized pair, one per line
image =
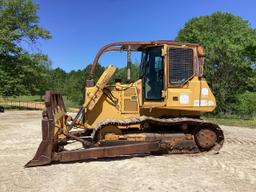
(230, 58)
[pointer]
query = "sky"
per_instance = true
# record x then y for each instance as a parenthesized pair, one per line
(79, 28)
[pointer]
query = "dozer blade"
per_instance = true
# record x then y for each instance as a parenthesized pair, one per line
(54, 105)
(43, 155)
(49, 151)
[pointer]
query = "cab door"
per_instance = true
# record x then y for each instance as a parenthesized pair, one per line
(153, 74)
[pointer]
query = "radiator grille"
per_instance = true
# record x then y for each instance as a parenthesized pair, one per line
(180, 65)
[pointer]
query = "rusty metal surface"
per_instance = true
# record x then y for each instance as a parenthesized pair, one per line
(133, 45)
(170, 143)
(43, 155)
(104, 152)
(206, 138)
(197, 123)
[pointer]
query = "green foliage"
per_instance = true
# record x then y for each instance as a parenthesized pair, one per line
(75, 83)
(230, 51)
(57, 80)
(71, 84)
(19, 22)
(246, 104)
(33, 71)
(74, 86)
(21, 73)
(122, 74)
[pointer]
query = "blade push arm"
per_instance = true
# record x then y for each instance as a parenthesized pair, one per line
(96, 93)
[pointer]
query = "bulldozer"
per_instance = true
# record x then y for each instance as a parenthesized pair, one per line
(157, 114)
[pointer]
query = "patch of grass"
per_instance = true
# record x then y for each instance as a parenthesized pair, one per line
(231, 121)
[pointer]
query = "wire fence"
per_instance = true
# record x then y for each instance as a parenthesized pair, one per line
(22, 104)
(29, 105)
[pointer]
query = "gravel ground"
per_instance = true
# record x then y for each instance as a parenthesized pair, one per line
(233, 169)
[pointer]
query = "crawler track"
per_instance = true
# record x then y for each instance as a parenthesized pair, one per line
(195, 125)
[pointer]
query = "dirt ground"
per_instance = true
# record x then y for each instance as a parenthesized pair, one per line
(233, 169)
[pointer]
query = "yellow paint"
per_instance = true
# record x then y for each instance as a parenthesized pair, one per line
(189, 99)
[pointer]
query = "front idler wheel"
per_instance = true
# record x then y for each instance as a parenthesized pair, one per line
(205, 139)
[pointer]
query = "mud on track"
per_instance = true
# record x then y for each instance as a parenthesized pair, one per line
(234, 169)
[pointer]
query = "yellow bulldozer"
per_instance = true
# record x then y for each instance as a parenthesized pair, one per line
(157, 114)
